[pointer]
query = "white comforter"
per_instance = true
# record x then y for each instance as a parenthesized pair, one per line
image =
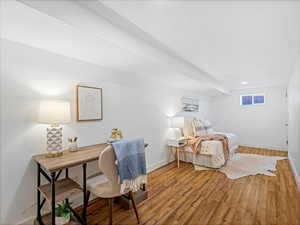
(212, 154)
(232, 140)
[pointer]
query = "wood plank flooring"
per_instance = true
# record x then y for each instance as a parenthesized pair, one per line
(186, 196)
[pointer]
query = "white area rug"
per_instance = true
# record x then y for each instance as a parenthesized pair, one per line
(242, 165)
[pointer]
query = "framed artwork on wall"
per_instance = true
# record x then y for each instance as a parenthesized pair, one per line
(89, 103)
(190, 104)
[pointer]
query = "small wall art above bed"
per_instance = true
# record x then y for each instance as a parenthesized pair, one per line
(89, 103)
(190, 104)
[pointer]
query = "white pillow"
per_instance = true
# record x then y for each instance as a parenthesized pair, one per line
(208, 127)
(199, 128)
(188, 127)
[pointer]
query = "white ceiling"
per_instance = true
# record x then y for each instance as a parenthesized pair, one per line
(253, 41)
(198, 46)
(49, 26)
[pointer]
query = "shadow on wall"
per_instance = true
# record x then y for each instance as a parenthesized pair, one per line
(27, 182)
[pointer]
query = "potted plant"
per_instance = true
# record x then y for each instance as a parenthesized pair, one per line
(63, 213)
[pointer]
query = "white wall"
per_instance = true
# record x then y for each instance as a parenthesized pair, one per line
(29, 75)
(256, 125)
(294, 122)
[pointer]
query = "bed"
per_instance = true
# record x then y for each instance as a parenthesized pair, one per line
(208, 160)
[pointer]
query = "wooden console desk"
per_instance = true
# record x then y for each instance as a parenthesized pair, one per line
(58, 190)
(69, 159)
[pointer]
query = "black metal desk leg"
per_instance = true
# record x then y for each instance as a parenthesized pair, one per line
(84, 194)
(67, 176)
(53, 197)
(39, 217)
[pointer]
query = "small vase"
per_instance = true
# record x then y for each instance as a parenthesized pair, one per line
(73, 147)
(62, 220)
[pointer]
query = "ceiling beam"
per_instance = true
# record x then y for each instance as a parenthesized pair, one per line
(96, 19)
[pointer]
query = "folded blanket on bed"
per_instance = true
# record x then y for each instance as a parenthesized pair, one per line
(131, 163)
(196, 143)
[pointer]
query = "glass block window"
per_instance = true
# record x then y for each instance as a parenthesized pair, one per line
(258, 99)
(252, 99)
(247, 100)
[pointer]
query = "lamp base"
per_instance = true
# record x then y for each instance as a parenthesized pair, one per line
(54, 141)
(54, 155)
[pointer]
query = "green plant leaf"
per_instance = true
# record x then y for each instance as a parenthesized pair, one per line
(63, 209)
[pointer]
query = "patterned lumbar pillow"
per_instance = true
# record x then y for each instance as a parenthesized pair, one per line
(198, 128)
(208, 127)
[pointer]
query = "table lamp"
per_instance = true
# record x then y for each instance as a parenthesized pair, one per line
(177, 123)
(54, 113)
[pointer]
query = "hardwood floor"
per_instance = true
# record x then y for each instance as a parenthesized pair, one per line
(186, 196)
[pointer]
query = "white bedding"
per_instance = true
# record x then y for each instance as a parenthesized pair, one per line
(232, 140)
(215, 160)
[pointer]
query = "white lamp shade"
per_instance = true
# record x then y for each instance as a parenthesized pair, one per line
(176, 122)
(54, 112)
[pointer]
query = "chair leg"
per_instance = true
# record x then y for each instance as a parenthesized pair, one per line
(134, 206)
(110, 206)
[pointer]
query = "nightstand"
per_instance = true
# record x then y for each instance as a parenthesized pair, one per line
(177, 146)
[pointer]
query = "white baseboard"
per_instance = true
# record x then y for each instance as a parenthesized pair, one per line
(76, 202)
(157, 165)
(296, 175)
(28, 221)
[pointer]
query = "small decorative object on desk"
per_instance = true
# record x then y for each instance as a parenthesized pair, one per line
(73, 147)
(116, 134)
(62, 213)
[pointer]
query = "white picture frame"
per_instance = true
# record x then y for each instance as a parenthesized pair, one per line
(89, 103)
